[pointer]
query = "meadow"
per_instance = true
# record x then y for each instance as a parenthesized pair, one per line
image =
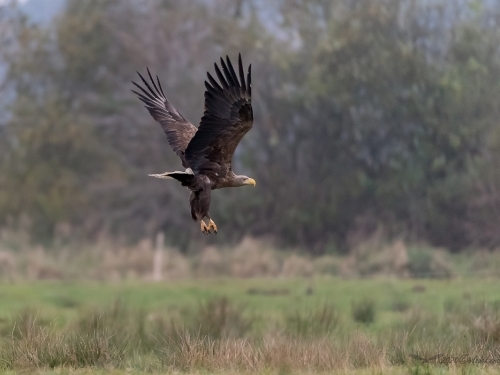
(320, 324)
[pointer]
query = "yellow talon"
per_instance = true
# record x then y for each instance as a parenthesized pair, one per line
(211, 225)
(204, 227)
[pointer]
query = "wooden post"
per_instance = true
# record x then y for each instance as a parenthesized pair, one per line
(158, 257)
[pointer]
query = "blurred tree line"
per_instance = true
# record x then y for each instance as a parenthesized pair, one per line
(368, 114)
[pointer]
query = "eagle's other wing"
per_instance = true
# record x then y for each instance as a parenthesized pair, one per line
(227, 118)
(179, 131)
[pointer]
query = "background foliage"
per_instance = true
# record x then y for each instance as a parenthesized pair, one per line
(368, 114)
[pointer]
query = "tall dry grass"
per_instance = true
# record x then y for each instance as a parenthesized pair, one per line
(219, 337)
(112, 260)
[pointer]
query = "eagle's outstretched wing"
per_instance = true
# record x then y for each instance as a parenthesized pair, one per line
(179, 131)
(227, 118)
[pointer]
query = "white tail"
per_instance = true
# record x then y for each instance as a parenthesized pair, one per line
(166, 175)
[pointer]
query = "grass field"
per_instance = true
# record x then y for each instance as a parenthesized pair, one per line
(316, 325)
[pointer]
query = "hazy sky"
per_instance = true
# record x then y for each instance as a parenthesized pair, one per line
(38, 10)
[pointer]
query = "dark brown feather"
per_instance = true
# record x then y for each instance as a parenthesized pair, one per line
(227, 118)
(178, 130)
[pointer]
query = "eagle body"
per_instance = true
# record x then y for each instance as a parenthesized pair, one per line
(207, 151)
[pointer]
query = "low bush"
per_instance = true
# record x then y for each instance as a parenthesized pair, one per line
(363, 311)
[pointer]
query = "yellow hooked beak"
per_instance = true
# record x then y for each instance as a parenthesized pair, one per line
(250, 181)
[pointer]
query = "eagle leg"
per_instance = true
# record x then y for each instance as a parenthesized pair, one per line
(204, 227)
(211, 225)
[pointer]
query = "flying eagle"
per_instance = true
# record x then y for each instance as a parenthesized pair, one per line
(206, 151)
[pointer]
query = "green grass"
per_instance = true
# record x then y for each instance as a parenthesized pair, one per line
(179, 326)
(65, 299)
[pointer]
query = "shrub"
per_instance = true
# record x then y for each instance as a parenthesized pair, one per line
(251, 258)
(428, 263)
(220, 318)
(400, 304)
(295, 265)
(485, 322)
(363, 311)
(211, 263)
(36, 346)
(319, 322)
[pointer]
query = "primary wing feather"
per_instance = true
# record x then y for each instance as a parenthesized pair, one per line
(227, 118)
(178, 130)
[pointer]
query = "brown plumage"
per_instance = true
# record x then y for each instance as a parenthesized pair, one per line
(207, 151)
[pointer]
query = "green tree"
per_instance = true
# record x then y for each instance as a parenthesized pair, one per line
(367, 114)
